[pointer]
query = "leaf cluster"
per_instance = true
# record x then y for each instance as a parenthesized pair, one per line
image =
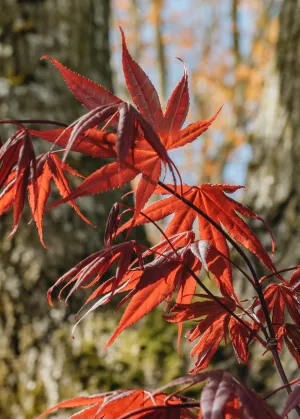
(207, 225)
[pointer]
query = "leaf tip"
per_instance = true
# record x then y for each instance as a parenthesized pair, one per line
(49, 297)
(121, 30)
(12, 233)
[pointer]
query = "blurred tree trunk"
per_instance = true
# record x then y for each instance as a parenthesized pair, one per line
(273, 177)
(39, 363)
(274, 174)
(158, 6)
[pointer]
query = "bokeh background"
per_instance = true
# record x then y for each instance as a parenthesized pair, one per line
(243, 54)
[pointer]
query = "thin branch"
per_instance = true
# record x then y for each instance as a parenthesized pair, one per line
(33, 121)
(272, 341)
(177, 392)
(214, 297)
(161, 407)
(214, 224)
(281, 271)
(281, 387)
(256, 284)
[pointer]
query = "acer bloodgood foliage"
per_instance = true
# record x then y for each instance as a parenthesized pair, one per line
(137, 140)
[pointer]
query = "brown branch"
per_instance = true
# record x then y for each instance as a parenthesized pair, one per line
(272, 346)
(208, 292)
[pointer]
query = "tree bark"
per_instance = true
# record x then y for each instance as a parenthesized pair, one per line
(274, 174)
(273, 177)
(39, 362)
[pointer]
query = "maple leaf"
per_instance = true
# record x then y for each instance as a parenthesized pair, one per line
(50, 167)
(278, 299)
(221, 393)
(149, 283)
(292, 401)
(130, 124)
(117, 404)
(97, 264)
(164, 129)
(93, 142)
(212, 328)
(89, 93)
(291, 334)
(157, 133)
(156, 284)
(18, 168)
(222, 209)
(213, 261)
(21, 171)
(233, 408)
(93, 401)
(295, 281)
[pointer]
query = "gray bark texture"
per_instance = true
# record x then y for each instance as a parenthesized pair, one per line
(274, 174)
(39, 363)
(273, 177)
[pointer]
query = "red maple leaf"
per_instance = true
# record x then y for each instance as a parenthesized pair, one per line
(279, 299)
(211, 199)
(146, 286)
(223, 393)
(94, 266)
(51, 168)
(291, 335)
(295, 281)
(18, 169)
(145, 159)
(212, 328)
(117, 404)
(34, 175)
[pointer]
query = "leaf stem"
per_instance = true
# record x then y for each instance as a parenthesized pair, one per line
(257, 286)
(214, 297)
(281, 387)
(214, 224)
(281, 271)
(33, 121)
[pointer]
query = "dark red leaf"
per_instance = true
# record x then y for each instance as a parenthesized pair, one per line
(90, 94)
(177, 110)
(141, 89)
(292, 401)
(215, 395)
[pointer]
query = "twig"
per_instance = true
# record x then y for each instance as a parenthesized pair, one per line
(272, 341)
(281, 387)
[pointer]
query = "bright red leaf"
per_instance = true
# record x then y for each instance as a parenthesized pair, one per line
(212, 329)
(18, 169)
(221, 393)
(50, 168)
(166, 128)
(113, 405)
(211, 199)
(89, 93)
(279, 298)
